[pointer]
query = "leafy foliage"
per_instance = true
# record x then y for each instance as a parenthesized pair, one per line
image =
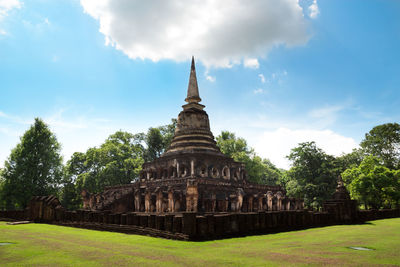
(34, 167)
(117, 161)
(349, 160)
(312, 175)
(259, 170)
(158, 139)
(373, 184)
(383, 141)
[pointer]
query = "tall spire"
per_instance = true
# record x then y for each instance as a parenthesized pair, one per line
(193, 89)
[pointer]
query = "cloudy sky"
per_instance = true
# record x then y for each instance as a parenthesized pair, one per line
(276, 72)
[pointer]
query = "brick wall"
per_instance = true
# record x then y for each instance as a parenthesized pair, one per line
(192, 226)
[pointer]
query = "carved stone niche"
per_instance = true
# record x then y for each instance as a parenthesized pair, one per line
(164, 174)
(214, 172)
(183, 170)
(235, 174)
(203, 171)
(226, 173)
(171, 172)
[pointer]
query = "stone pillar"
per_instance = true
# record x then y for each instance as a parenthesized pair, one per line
(137, 200)
(147, 201)
(171, 201)
(269, 200)
(260, 202)
(159, 201)
(191, 196)
(279, 200)
(250, 203)
(192, 168)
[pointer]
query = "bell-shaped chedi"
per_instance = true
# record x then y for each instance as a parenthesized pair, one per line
(192, 133)
(192, 175)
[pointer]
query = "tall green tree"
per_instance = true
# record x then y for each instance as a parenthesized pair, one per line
(117, 161)
(312, 175)
(373, 184)
(259, 170)
(349, 160)
(34, 167)
(158, 139)
(383, 141)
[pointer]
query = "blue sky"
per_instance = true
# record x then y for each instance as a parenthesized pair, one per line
(274, 72)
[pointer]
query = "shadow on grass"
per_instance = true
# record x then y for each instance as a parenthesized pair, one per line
(364, 223)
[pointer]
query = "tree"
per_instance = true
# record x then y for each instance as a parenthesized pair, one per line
(154, 141)
(373, 184)
(349, 160)
(117, 161)
(312, 175)
(158, 140)
(383, 141)
(258, 170)
(34, 167)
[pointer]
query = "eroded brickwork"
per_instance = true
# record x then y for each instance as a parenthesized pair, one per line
(192, 175)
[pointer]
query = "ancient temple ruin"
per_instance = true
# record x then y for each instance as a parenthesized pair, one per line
(194, 192)
(192, 175)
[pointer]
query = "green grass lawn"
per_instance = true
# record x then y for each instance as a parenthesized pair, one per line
(50, 245)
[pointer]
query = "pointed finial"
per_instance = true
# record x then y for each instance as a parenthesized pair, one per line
(340, 182)
(193, 89)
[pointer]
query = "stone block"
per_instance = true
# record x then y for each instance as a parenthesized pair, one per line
(219, 225)
(242, 223)
(211, 224)
(268, 220)
(234, 223)
(261, 219)
(152, 221)
(250, 222)
(274, 219)
(160, 222)
(74, 216)
(256, 222)
(144, 220)
(202, 227)
(129, 218)
(168, 222)
(189, 223)
(135, 219)
(177, 224)
(123, 219)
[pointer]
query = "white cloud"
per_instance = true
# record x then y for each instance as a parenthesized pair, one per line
(262, 78)
(251, 63)
(258, 91)
(5, 7)
(327, 111)
(209, 77)
(220, 33)
(313, 10)
(276, 144)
